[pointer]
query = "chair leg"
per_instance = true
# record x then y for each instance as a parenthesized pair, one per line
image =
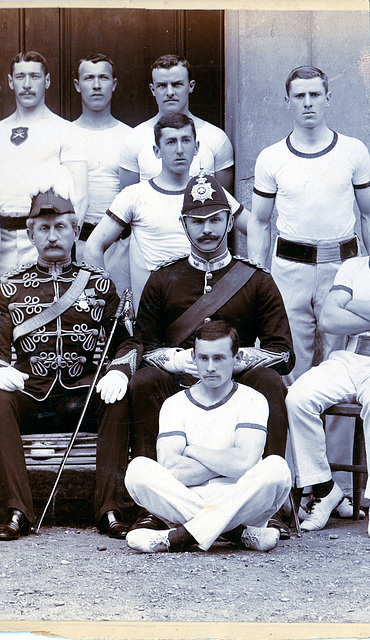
(292, 499)
(358, 458)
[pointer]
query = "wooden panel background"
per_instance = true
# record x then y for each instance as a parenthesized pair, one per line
(133, 38)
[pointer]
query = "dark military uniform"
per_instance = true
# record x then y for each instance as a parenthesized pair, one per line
(256, 310)
(58, 357)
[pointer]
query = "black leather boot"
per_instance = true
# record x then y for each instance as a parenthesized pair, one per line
(16, 525)
(111, 523)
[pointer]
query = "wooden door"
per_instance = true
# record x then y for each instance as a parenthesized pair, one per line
(133, 38)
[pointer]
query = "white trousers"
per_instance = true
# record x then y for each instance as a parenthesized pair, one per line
(344, 377)
(215, 506)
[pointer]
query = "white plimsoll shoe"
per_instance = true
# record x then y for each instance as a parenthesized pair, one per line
(260, 538)
(345, 509)
(148, 540)
(320, 510)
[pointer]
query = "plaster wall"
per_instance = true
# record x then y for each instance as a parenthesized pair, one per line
(261, 48)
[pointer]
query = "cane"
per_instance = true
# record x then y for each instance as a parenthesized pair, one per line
(123, 309)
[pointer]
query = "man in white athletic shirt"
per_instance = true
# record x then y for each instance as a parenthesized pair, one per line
(95, 80)
(314, 175)
(171, 87)
(33, 141)
(210, 479)
(152, 207)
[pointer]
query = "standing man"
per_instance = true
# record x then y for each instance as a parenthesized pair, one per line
(210, 479)
(54, 325)
(152, 208)
(314, 175)
(171, 87)
(208, 284)
(95, 80)
(33, 141)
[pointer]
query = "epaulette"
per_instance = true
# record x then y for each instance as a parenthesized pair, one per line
(17, 271)
(252, 263)
(166, 263)
(90, 267)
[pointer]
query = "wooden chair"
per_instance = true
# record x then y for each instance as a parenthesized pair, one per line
(358, 468)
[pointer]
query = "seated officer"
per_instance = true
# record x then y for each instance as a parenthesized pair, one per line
(52, 313)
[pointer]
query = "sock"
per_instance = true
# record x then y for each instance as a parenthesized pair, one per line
(180, 539)
(322, 489)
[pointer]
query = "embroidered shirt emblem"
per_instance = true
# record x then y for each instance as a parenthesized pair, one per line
(19, 135)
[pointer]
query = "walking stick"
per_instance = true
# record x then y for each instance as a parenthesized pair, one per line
(123, 309)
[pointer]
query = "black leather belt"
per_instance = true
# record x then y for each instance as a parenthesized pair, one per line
(13, 223)
(363, 346)
(313, 254)
(88, 227)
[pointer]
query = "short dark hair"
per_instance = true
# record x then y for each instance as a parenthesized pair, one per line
(216, 329)
(173, 121)
(171, 60)
(95, 57)
(29, 56)
(306, 73)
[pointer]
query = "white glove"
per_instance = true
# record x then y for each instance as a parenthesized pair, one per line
(11, 379)
(112, 387)
(183, 362)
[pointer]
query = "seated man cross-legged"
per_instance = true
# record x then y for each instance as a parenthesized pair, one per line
(210, 479)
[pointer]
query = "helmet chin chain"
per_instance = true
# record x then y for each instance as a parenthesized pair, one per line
(206, 250)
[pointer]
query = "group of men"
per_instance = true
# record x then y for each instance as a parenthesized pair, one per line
(207, 461)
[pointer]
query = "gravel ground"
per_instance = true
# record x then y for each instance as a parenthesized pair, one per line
(77, 574)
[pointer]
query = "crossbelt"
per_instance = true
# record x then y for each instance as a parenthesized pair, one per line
(314, 253)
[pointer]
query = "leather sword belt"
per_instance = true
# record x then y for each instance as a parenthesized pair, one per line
(363, 346)
(314, 254)
(88, 227)
(13, 223)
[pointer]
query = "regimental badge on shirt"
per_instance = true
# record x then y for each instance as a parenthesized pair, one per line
(19, 135)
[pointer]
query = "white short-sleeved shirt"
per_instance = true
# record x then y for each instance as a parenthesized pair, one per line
(314, 192)
(49, 140)
(354, 276)
(102, 155)
(213, 426)
(215, 151)
(154, 215)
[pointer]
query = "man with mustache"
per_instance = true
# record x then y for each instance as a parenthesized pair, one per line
(152, 208)
(33, 143)
(315, 176)
(52, 312)
(179, 297)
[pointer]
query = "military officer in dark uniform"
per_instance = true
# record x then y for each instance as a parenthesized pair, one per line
(52, 313)
(179, 297)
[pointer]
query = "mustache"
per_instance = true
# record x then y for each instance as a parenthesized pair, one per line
(208, 236)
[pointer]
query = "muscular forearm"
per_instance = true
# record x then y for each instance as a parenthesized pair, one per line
(258, 239)
(360, 308)
(188, 471)
(343, 321)
(232, 463)
(93, 254)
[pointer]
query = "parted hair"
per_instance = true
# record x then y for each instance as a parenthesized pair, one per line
(95, 57)
(172, 121)
(306, 73)
(216, 329)
(29, 56)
